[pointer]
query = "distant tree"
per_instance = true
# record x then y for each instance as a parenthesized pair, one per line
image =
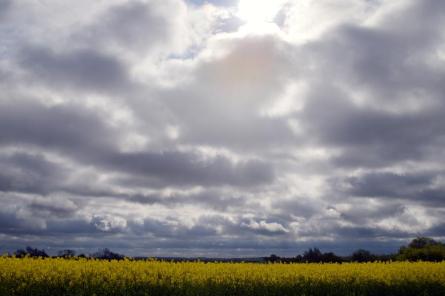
(36, 252)
(298, 258)
(331, 258)
(273, 258)
(108, 255)
(20, 253)
(31, 252)
(313, 255)
(67, 253)
(362, 255)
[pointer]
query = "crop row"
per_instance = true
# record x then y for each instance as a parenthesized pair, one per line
(93, 277)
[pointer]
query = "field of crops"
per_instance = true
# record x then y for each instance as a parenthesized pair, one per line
(89, 277)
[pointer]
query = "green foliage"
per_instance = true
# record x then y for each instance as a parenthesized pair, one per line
(422, 242)
(422, 249)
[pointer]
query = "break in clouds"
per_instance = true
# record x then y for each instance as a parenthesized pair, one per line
(221, 129)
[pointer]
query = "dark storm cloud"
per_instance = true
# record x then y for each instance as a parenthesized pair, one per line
(13, 225)
(211, 198)
(79, 69)
(9, 223)
(388, 184)
(174, 168)
(297, 206)
(388, 59)
(360, 230)
(189, 168)
(84, 136)
(362, 214)
(22, 172)
(437, 230)
(54, 208)
(67, 127)
(419, 187)
(357, 103)
(366, 232)
(76, 227)
(372, 137)
(374, 59)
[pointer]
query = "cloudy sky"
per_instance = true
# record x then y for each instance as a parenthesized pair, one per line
(221, 128)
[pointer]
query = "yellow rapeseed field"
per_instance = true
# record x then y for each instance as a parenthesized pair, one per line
(92, 277)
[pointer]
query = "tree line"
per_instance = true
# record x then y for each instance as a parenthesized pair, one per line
(419, 249)
(105, 254)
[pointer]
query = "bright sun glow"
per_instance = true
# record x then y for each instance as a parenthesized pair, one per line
(259, 11)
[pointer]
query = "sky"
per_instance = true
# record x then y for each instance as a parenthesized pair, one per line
(221, 128)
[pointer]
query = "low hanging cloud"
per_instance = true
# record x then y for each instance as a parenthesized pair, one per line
(186, 128)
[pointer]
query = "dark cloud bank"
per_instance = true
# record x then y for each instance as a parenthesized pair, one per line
(142, 128)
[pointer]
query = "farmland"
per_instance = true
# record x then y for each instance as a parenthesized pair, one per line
(31, 276)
